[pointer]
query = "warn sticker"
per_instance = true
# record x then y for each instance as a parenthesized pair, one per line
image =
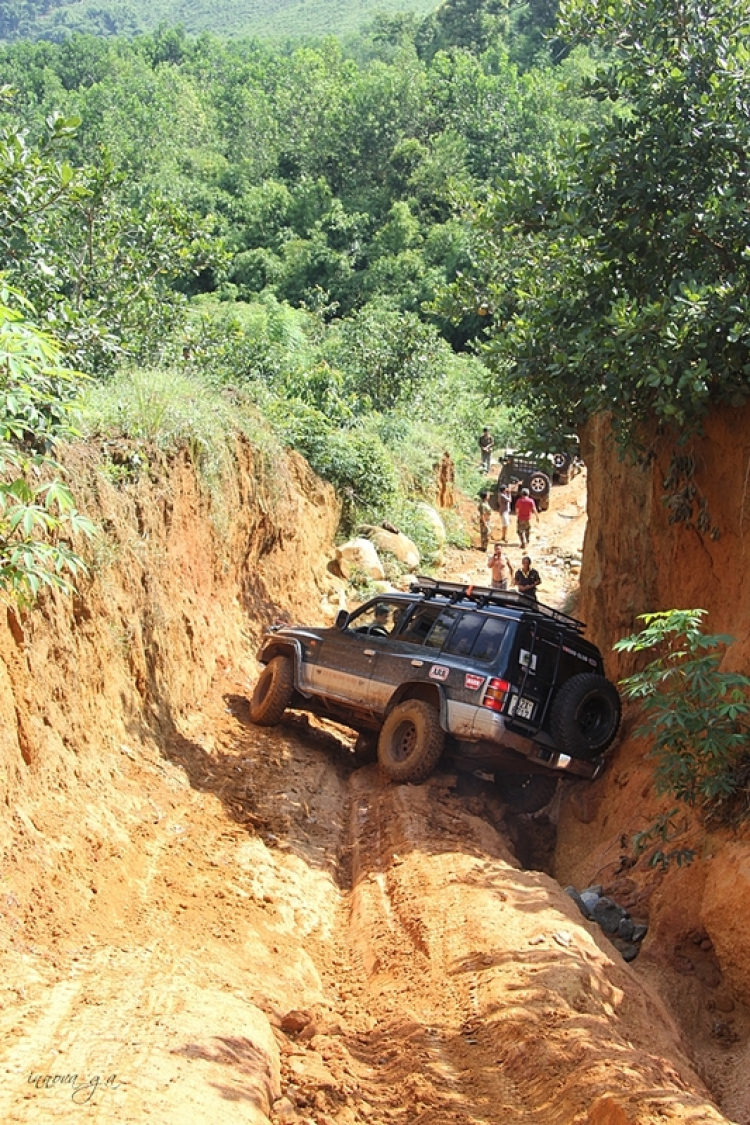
(439, 672)
(472, 681)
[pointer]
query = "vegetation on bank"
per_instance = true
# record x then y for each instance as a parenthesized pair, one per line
(382, 246)
(696, 718)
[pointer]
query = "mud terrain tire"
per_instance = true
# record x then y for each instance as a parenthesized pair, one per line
(411, 741)
(273, 692)
(585, 715)
(528, 794)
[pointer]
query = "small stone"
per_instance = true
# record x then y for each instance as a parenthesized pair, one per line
(639, 932)
(597, 890)
(589, 900)
(626, 928)
(562, 937)
(627, 949)
(284, 1111)
(608, 914)
(295, 1020)
(723, 1003)
(573, 893)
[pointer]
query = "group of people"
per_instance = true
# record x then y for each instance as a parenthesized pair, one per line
(525, 578)
(525, 509)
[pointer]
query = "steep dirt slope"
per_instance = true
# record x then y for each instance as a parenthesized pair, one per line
(203, 920)
(636, 560)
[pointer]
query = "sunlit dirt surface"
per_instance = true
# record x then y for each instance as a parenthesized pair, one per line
(270, 933)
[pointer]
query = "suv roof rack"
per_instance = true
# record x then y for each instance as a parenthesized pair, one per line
(488, 595)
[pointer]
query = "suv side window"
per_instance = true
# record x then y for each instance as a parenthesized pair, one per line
(477, 635)
(420, 623)
(442, 627)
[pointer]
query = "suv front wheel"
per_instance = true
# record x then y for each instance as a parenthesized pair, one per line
(411, 741)
(585, 715)
(273, 692)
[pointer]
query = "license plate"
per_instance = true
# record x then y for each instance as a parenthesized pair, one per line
(521, 708)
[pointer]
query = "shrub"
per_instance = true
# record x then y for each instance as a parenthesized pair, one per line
(697, 716)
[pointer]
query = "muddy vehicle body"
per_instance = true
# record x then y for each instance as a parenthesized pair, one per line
(489, 679)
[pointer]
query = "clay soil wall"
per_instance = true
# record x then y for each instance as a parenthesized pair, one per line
(636, 560)
(181, 583)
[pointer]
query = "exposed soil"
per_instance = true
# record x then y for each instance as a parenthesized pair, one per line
(248, 928)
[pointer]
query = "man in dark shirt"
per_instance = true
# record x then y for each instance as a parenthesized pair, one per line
(486, 442)
(527, 579)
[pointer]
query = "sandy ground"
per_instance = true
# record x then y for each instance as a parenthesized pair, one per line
(272, 934)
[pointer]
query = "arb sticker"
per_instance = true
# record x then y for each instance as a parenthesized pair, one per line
(472, 681)
(439, 672)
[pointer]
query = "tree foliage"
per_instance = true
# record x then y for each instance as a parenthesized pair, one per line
(617, 271)
(696, 716)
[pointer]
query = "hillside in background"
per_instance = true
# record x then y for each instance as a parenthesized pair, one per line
(50, 19)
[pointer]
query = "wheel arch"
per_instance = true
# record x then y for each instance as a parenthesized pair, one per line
(428, 693)
(280, 647)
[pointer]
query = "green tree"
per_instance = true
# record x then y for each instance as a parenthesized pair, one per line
(617, 272)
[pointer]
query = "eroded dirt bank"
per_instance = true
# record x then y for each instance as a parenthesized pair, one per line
(203, 920)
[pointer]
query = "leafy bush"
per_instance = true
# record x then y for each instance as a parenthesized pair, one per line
(697, 716)
(358, 464)
(37, 398)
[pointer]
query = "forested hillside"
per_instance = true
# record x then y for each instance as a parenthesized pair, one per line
(277, 228)
(272, 19)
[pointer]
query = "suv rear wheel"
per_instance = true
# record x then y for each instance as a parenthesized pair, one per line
(273, 692)
(585, 715)
(411, 741)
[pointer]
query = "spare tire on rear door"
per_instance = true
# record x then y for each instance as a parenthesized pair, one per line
(411, 741)
(585, 715)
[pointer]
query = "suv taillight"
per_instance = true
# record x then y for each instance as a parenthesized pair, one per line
(494, 697)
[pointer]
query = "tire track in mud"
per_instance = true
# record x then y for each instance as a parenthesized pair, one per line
(497, 1004)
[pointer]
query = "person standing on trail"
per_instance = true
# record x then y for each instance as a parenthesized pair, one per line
(485, 514)
(486, 442)
(500, 569)
(446, 481)
(504, 502)
(525, 506)
(527, 579)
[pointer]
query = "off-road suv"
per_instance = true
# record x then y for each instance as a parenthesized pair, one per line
(519, 472)
(490, 679)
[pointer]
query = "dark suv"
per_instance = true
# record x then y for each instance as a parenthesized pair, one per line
(484, 677)
(525, 472)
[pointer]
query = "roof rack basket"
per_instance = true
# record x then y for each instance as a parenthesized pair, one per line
(488, 595)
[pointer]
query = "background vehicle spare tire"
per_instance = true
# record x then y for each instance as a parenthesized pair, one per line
(527, 794)
(273, 692)
(585, 715)
(411, 741)
(539, 484)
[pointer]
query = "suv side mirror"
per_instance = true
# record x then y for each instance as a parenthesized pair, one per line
(342, 619)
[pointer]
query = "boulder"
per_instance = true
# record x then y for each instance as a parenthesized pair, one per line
(396, 543)
(360, 554)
